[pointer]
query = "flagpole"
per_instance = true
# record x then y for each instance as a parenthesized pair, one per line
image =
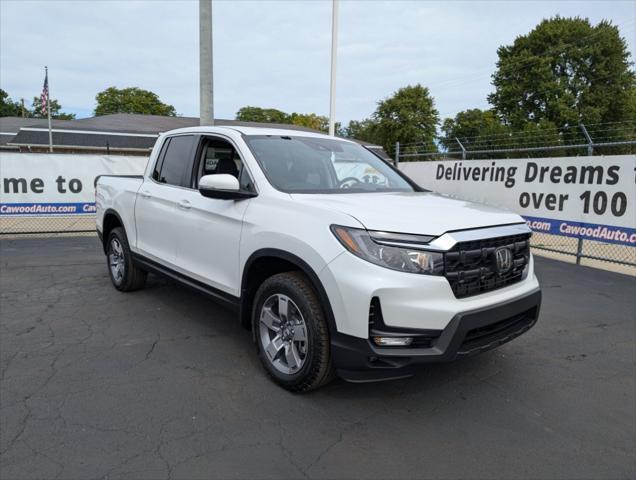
(334, 51)
(48, 108)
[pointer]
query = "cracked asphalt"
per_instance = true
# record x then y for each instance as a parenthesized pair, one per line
(163, 383)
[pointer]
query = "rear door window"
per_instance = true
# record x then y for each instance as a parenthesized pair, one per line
(176, 160)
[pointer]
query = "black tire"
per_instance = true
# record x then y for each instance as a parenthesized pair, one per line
(132, 277)
(317, 369)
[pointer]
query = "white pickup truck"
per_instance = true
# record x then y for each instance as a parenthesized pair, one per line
(337, 262)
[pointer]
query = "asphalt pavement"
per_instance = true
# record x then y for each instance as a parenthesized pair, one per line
(163, 383)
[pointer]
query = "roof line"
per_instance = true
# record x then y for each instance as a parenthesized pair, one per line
(81, 147)
(89, 132)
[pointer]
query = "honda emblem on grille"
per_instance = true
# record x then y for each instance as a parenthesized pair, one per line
(503, 260)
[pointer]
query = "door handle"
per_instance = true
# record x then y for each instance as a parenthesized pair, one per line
(184, 204)
(145, 194)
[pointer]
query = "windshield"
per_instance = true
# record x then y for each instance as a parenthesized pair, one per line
(323, 165)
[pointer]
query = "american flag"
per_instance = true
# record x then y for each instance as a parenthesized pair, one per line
(44, 98)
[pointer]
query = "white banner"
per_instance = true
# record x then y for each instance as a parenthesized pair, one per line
(57, 184)
(585, 197)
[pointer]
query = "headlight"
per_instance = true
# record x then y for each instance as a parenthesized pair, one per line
(405, 259)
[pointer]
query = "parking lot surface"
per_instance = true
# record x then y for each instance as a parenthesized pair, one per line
(163, 383)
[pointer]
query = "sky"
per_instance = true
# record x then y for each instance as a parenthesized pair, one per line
(273, 54)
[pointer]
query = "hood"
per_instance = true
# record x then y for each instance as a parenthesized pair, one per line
(421, 213)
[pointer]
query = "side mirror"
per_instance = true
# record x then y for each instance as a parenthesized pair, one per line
(222, 185)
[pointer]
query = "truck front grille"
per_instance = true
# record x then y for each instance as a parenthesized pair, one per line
(471, 267)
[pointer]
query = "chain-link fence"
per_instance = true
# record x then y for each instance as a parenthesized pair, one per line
(612, 138)
(582, 249)
(47, 225)
(609, 138)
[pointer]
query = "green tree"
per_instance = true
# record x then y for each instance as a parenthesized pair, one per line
(541, 133)
(408, 116)
(482, 130)
(566, 71)
(365, 130)
(310, 120)
(9, 108)
(272, 115)
(476, 129)
(131, 100)
(37, 112)
(262, 115)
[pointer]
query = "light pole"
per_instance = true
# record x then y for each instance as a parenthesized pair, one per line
(206, 78)
(334, 51)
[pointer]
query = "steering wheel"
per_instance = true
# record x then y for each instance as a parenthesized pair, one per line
(348, 182)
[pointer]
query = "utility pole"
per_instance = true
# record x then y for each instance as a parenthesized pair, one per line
(23, 111)
(206, 79)
(334, 51)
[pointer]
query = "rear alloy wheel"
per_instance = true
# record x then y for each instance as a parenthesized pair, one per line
(116, 261)
(291, 332)
(124, 274)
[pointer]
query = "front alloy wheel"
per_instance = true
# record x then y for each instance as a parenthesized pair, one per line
(291, 332)
(283, 333)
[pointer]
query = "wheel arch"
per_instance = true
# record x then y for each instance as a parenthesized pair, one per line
(111, 220)
(272, 261)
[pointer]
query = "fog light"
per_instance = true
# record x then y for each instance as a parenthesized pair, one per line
(392, 341)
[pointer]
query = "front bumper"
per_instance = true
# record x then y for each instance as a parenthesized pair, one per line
(409, 301)
(468, 333)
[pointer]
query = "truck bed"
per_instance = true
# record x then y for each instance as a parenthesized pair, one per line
(119, 194)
